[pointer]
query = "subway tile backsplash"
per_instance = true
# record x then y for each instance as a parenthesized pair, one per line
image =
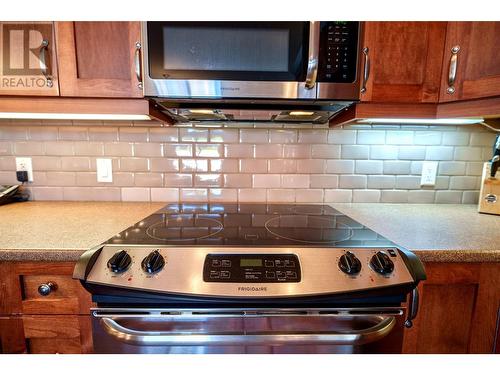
(350, 164)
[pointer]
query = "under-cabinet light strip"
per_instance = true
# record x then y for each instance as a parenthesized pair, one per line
(422, 121)
(70, 116)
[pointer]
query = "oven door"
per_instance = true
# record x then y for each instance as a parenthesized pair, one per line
(276, 60)
(257, 331)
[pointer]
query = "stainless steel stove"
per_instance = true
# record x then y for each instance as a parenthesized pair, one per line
(219, 278)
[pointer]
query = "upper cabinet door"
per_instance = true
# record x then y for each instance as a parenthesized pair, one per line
(471, 62)
(404, 61)
(98, 59)
(28, 64)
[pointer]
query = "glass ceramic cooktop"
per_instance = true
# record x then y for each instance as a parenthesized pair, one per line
(249, 225)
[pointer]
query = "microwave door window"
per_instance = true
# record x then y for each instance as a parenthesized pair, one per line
(206, 48)
(229, 51)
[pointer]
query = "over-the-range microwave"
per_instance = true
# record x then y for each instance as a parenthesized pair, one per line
(251, 71)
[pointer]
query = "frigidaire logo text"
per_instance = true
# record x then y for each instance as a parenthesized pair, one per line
(252, 288)
(25, 57)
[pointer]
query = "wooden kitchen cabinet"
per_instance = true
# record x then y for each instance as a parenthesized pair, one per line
(97, 59)
(404, 61)
(477, 61)
(41, 334)
(459, 304)
(28, 62)
(12, 339)
(64, 334)
(32, 323)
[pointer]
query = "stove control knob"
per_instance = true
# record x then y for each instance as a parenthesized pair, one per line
(381, 263)
(119, 262)
(153, 263)
(349, 264)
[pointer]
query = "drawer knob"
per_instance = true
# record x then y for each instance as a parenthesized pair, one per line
(47, 288)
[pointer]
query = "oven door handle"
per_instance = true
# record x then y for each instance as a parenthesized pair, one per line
(162, 338)
(312, 64)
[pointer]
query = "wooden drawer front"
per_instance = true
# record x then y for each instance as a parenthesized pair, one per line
(19, 284)
(62, 300)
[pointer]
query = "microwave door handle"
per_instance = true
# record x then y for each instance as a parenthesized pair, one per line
(312, 64)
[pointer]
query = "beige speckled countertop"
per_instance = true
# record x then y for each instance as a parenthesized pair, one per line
(434, 232)
(61, 231)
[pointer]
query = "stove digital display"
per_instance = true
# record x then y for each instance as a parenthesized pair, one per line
(250, 262)
(251, 268)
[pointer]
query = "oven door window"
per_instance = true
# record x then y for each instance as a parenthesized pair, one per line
(235, 51)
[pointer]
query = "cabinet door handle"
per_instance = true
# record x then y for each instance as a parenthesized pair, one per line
(47, 288)
(366, 71)
(138, 70)
(45, 62)
(452, 72)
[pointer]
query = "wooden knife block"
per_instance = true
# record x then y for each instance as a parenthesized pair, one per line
(489, 197)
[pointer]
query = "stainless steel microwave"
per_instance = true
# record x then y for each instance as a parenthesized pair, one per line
(300, 63)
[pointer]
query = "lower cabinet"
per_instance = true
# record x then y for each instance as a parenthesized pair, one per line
(459, 304)
(12, 335)
(43, 310)
(39, 334)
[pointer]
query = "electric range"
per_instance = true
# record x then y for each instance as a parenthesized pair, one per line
(220, 262)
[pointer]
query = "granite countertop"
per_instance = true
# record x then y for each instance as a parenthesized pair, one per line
(434, 232)
(61, 231)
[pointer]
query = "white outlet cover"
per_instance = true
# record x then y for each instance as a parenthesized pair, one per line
(429, 172)
(104, 170)
(25, 164)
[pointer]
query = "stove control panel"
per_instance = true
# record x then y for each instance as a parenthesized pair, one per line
(251, 268)
(248, 273)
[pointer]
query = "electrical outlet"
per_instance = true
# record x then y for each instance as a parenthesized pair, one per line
(24, 164)
(429, 172)
(104, 170)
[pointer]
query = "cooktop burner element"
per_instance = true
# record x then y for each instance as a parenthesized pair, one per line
(183, 227)
(249, 225)
(313, 229)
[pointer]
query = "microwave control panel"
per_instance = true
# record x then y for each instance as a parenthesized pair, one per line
(251, 268)
(338, 51)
